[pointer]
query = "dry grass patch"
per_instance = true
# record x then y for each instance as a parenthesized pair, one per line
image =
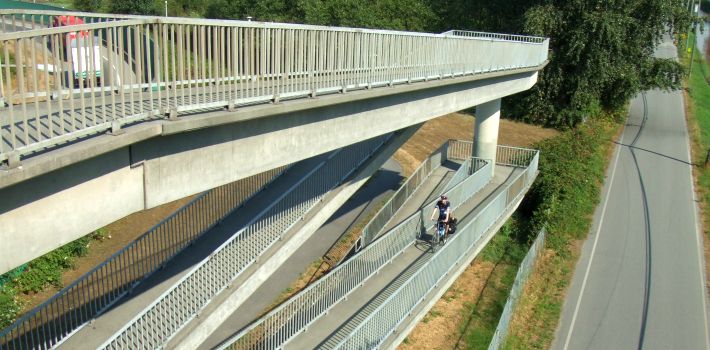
(440, 328)
(460, 126)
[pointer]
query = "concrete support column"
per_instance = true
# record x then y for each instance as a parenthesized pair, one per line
(485, 136)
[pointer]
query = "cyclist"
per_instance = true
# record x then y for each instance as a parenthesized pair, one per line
(443, 210)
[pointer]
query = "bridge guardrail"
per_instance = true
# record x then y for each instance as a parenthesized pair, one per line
(386, 317)
(191, 293)
(505, 155)
(101, 287)
(495, 36)
(73, 81)
(281, 324)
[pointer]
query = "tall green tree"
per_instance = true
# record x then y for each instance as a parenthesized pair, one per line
(601, 56)
(132, 7)
(87, 5)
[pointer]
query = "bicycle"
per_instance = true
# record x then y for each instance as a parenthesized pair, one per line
(439, 235)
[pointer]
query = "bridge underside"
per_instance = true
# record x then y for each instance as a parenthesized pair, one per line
(64, 194)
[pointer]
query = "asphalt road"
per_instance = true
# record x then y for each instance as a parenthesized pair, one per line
(639, 281)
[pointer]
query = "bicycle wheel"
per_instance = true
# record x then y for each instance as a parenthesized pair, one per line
(434, 239)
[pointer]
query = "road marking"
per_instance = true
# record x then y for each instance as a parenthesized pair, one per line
(701, 268)
(596, 240)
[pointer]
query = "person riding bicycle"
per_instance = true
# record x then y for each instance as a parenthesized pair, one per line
(443, 208)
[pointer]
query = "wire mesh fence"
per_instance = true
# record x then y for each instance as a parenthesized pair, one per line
(526, 267)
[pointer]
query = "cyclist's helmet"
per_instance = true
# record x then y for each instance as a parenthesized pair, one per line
(443, 197)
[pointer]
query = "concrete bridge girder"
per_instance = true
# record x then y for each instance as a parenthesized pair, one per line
(195, 154)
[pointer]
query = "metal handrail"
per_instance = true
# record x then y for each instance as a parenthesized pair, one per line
(261, 24)
(108, 74)
(281, 324)
(505, 155)
(214, 273)
(496, 36)
(108, 282)
(374, 227)
(380, 323)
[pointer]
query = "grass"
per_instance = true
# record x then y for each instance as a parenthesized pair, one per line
(698, 114)
(564, 196)
(506, 250)
(40, 273)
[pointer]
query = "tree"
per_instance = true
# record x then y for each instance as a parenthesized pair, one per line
(132, 7)
(601, 56)
(87, 5)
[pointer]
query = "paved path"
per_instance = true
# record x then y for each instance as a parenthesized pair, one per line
(639, 281)
(329, 330)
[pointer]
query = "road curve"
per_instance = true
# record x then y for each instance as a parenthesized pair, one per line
(639, 283)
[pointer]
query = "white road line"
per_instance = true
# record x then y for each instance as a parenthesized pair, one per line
(596, 240)
(701, 266)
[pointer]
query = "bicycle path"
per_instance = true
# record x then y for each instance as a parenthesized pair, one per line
(321, 242)
(640, 280)
(328, 330)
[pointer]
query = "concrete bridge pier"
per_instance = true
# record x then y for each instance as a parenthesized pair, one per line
(485, 135)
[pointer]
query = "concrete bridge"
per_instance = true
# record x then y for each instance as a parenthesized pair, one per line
(178, 106)
(173, 107)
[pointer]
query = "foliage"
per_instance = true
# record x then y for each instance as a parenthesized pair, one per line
(47, 269)
(388, 14)
(602, 55)
(509, 245)
(132, 7)
(564, 196)
(9, 307)
(87, 5)
(567, 189)
(39, 273)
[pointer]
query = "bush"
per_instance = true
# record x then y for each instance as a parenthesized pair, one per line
(47, 269)
(568, 187)
(9, 307)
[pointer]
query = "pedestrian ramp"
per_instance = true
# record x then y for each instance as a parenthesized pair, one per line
(366, 298)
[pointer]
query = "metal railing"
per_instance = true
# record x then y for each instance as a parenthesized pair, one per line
(152, 329)
(526, 267)
(293, 316)
(375, 226)
(72, 81)
(495, 36)
(117, 276)
(461, 173)
(16, 20)
(377, 326)
(505, 155)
